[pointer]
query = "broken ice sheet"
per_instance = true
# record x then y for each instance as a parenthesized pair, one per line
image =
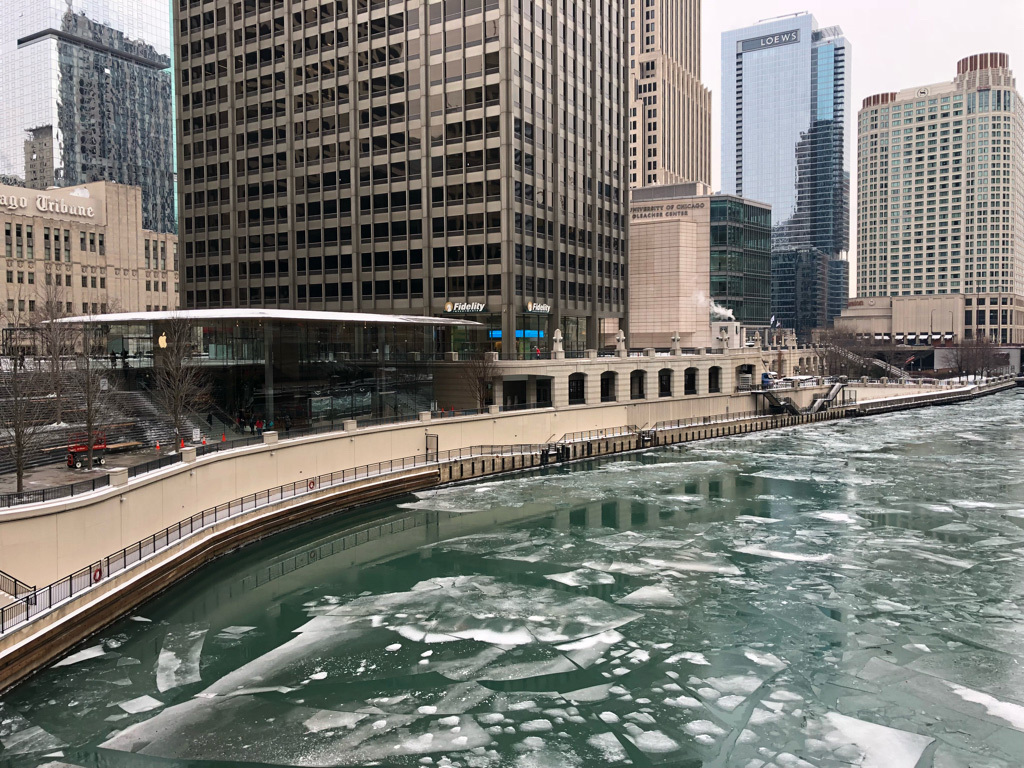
(140, 704)
(178, 663)
(93, 652)
(582, 577)
(876, 746)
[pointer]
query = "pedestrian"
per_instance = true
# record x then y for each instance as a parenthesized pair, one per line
(252, 425)
(113, 359)
(209, 420)
(259, 426)
(21, 361)
(287, 423)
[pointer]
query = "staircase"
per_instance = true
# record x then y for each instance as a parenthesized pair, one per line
(821, 403)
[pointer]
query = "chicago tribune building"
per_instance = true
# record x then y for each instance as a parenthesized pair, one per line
(85, 95)
(408, 157)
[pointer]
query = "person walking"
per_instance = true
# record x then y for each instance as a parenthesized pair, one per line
(287, 423)
(252, 425)
(259, 426)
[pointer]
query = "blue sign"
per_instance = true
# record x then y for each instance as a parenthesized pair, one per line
(519, 334)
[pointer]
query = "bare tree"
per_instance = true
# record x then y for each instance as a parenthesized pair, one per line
(179, 383)
(976, 356)
(55, 339)
(844, 354)
(480, 372)
(90, 381)
(26, 409)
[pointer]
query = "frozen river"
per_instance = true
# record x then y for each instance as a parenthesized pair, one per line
(847, 594)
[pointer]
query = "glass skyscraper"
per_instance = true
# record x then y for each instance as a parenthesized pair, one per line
(85, 95)
(784, 123)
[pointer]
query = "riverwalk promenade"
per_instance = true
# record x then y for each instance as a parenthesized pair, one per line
(103, 552)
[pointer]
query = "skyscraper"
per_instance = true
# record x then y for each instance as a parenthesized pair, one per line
(670, 109)
(408, 157)
(85, 95)
(784, 120)
(941, 196)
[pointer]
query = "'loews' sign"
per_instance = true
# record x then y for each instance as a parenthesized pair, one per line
(770, 41)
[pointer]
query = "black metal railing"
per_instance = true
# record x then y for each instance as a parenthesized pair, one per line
(626, 430)
(49, 494)
(40, 601)
(149, 466)
(13, 586)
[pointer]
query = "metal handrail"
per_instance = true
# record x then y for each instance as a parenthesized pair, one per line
(58, 492)
(44, 599)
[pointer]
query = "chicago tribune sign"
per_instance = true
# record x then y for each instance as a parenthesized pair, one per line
(663, 211)
(461, 307)
(16, 201)
(770, 41)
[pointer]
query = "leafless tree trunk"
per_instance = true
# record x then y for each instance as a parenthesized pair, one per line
(91, 382)
(976, 356)
(180, 384)
(56, 340)
(480, 372)
(26, 409)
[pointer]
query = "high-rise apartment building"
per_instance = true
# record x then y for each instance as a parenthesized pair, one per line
(409, 157)
(670, 109)
(785, 89)
(941, 195)
(85, 95)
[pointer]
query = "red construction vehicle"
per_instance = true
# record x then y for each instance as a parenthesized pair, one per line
(78, 449)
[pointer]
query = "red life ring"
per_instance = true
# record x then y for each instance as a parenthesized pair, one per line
(312, 484)
(97, 575)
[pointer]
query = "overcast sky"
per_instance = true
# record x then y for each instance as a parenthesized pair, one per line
(896, 43)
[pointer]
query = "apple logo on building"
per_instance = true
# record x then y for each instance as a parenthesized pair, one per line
(529, 306)
(162, 341)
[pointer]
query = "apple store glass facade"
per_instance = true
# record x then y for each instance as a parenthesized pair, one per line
(784, 122)
(86, 96)
(316, 369)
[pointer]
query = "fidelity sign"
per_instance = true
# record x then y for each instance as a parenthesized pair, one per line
(770, 41)
(462, 307)
(537, 308)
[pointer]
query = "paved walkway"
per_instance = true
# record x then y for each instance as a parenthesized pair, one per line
(58, 473)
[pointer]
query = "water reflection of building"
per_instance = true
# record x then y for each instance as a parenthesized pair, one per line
(784, 96)
(87, 97)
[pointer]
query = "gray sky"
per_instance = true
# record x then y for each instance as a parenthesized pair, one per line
(896, 43)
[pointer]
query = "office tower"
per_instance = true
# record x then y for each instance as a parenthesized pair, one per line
(670, 109)
(85, 95)
(941, 195)
(784, 121)
(690, 248)
(408, 157)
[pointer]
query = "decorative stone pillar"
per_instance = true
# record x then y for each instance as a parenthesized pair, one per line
(531, 390)
(557, 350)
(592, 387)
(620, 344)
(560, 389)
(622, 386)
(676, 349)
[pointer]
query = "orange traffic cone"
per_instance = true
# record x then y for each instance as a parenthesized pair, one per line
(204, 441)
(183, 442)
(223, 437)
(158, 446)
